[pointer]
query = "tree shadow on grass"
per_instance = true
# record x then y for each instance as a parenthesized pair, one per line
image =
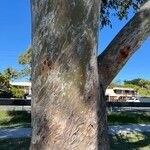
(16, 119)
(15, 144)
(130, 141)
(128, 117)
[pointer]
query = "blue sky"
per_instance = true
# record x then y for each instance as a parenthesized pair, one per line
(15, 37)
(15, 31)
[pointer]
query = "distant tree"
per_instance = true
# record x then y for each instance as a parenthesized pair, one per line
(144, 92)
(4, 86)
(135, 87)
(25, 60)
(140, 85)
(139, 82)
(17, 92)
(11, 73)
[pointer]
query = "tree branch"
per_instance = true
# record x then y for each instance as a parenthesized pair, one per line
(123, 46)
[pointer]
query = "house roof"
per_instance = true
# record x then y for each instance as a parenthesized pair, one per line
(122, 88)
(25, 83)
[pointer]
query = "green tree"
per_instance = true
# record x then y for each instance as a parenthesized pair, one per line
(135, 87)
(139, 82)
(10, 73)
(140, 85)
(17, 92)
(25, 60)
(68, 105)
(144, 92)
(4, 86)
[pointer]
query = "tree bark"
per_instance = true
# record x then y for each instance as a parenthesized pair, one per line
(115, 56)
(124, 45)
(65, 82)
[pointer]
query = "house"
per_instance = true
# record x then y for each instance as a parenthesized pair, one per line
(120, 94)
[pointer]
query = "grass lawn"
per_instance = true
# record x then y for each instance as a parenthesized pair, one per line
(129, 118)
(17, 119)
(14, 119)
(128, 141)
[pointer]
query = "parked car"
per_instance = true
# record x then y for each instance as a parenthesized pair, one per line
(28, 97)
(133, 100)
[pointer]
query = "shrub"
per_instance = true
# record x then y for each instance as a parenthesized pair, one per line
(17, 92)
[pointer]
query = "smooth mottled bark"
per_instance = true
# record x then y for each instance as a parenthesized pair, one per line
(65, 83)
(67, 111)
(124, 45)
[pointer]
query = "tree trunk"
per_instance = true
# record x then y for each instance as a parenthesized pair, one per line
(65, 80)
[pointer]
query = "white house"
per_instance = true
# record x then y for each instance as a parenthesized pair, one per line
(120, 94)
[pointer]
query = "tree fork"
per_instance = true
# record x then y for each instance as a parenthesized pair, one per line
(124, 45)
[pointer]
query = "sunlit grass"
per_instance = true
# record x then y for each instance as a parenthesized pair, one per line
(13, 119)
(130, 141)
(124, 141)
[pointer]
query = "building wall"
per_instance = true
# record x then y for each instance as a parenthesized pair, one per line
(120, 94)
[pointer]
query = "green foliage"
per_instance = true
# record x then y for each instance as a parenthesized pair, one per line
(17, 92)
(15, 119)
(6, 90)
(144, 92)
(139, 82)
(10, 73)
(130, 141)
(25, 60)
(135, 87)
(4, 83)
(118, 8)
(4, 87)
(140, 85)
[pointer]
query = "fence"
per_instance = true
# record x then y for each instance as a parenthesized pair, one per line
(128, 106)
(26, 102)
(15, 104)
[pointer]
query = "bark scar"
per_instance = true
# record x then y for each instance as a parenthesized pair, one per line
(124, 53)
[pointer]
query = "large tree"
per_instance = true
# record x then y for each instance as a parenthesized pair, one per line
(68, 105)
